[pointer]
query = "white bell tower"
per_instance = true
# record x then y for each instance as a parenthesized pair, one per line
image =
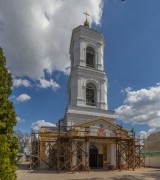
(87, 84)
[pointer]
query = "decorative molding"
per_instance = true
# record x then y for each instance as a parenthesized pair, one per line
(90, 113)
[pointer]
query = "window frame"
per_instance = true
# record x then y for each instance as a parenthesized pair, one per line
(90, 57)
(90, 94)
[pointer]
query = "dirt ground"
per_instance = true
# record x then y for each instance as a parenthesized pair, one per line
(23, 173)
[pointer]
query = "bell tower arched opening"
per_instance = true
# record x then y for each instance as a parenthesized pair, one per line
(90, 57)
(90, 94)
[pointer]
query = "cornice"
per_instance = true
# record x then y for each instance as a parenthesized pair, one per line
(86, 33)
(89, 71)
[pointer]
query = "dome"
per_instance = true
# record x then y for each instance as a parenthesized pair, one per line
(86, 23)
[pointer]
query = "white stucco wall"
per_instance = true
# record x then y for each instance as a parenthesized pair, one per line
(80, 75)
(77, 90)
(74, 157)
(80, 114)
(152, 161)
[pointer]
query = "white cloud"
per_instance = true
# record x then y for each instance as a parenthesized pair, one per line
(126, 90)
(36, 125)
(145, 134)
(19, 119)
(21, 82)
(43, 83)
(12, 97)
(142, 107)
(35, 35)
(23, 97)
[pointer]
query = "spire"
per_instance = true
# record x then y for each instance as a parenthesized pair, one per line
(86, 23)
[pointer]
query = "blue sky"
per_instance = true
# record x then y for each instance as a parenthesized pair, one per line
(37, 51)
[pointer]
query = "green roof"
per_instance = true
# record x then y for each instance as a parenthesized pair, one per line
(150, 154)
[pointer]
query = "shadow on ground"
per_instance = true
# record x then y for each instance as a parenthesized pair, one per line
(155, 175)
(23, 166)
(26, 167)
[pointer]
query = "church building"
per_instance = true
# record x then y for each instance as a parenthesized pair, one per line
(87, 137)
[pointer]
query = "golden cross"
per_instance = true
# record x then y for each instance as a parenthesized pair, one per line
(86, 14)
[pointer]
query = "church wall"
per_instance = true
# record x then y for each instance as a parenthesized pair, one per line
(78, 82)
(76, 53)
(72, 118)
(83, 37)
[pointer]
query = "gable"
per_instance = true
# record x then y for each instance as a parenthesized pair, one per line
(98, 127)
(101, 120)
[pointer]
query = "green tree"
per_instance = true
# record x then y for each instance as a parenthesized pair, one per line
(8, 142)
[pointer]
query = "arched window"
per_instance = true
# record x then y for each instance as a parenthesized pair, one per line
(93, 149)
(90, 57)
(90, 95)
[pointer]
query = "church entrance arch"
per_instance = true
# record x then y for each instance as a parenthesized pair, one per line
(95, 159)
(93, 153)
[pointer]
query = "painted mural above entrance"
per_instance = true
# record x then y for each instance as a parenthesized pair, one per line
(98, 127)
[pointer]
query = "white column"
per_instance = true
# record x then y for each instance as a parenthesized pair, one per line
(123, 162)
(76, 52)
(83, 154)
(83, 92)
(98, 98)
(85, 158)
(103, 97)
(82, 52)
(87, 150)
(79, 89)
(106, 93)
(99, 56)
(74, 156)
(113, 154)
